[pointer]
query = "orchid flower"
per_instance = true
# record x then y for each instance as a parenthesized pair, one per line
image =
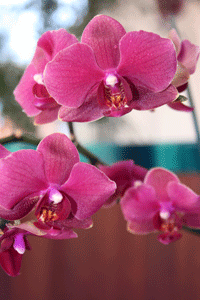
(125, 174)
(110, 72)
(51, 181)
(162, 204)
(187, 57)
(31, 92)
(13, 245)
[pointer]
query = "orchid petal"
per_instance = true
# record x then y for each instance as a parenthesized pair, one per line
(137, 226)
(182, 87)
(183, 197)
(182, 75)
(124, 174)
(180, 106)
(139, 203)
(24, 91)
(191, 220)
(21, 175)
(159, 179)
(75, 223)
(51, 42)
(189, 55)
(4, 152)
(10, 261)
(117, 113)
(71, 74)
(167, 238)
(58, 234)
(29, 227)
(147, 60)
(175, 39)
(59, 155)
(103, 34)
(89, 187)
(149, 100)
(21, 209)
(39, 60)
(47, 116)
(88, 111)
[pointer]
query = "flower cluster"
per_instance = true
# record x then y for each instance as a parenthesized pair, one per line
(48, 192)
(109, 73)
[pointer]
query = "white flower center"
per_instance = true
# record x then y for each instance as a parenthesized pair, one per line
(55, 196)
(137, 183)
(38, 78)
(164, 215)
(111, 80)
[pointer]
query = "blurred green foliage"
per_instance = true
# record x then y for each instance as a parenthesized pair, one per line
(10, 75)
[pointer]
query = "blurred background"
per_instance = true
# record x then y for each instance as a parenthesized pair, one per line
(106, 262)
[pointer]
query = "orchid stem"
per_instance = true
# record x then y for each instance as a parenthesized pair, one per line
(94, 160)
(192, 230)
(26, 138)
(193, 114)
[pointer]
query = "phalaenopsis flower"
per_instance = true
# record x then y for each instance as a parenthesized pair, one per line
(63, 191)
(31, 92)
(110, 72)
(13, 245)
(187, 57)
(125, 174)
(162, 204)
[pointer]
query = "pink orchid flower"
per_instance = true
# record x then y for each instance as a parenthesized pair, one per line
(31, 92)
(13, 245)
(187, 57)
(63, 191)
(162, 204)
(125, 174)
(110, 72)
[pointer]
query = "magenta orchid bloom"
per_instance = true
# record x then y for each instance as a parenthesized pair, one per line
(63, 191)
(187, 57)
(31, 92)
(125, 174)
(110, 72)
(161, 203)
(13, 245)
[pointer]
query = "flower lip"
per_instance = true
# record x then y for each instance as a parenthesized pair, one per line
(114, 93)
(53, 206)
(19, 244)
(42, 100)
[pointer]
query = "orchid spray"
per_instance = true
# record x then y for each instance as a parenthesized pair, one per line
(48, 192)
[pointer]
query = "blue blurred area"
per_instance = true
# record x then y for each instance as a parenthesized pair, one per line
(175, 157)
(18, 146)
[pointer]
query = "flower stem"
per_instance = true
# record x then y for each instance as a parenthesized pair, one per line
(94, 160)
(192, 230)
(26, 138)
